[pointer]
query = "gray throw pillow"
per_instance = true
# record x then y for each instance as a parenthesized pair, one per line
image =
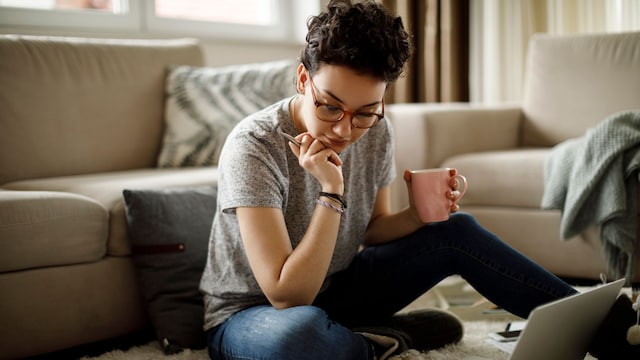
(169, 231)
(203, 104)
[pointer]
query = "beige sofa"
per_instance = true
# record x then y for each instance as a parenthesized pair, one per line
(80, 120)
(572, 84)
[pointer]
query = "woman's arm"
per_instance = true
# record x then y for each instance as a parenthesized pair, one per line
(385, 226)
(291, 277)
(288, 277)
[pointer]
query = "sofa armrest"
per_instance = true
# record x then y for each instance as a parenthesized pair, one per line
(428, 134)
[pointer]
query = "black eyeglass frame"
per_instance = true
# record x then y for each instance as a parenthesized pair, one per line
(317, 103)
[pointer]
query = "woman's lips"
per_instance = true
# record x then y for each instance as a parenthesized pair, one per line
(338, 143)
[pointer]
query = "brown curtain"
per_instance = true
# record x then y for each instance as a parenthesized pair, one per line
(439, 68)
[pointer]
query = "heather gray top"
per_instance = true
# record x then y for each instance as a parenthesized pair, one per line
(257, 169)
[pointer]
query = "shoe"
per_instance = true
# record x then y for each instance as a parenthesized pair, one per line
(385, 342)
(428, 329)
(610, 341)
(422, 330)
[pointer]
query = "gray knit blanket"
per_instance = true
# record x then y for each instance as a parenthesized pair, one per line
(593, 180)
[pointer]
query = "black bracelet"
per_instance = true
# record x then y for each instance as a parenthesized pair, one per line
(338, 198)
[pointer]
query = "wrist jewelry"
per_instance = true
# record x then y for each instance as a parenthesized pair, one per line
(336, 197)
(341, 211)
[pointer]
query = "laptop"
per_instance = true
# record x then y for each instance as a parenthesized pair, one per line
(563, 329)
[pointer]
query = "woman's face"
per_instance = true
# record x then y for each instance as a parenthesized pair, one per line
(340, 88)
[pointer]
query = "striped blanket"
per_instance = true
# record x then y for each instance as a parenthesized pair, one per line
(593, 180)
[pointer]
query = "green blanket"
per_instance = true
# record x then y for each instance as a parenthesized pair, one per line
(593, 180)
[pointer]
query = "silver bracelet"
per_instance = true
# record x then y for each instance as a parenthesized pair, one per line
(337, 197)
(341, 211)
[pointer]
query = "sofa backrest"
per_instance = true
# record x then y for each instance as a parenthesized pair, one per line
(75, 106)
(573, 82)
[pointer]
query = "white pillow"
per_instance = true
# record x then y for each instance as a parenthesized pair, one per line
(203, 104)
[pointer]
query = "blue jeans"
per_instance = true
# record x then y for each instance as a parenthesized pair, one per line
(382, 280)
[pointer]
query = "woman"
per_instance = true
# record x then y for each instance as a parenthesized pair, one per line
(287, 275)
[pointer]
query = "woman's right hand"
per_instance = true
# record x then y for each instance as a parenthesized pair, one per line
(322, 162)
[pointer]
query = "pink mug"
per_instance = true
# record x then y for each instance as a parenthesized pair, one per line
(429, 188)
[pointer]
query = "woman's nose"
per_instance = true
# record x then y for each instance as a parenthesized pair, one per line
(343, 127)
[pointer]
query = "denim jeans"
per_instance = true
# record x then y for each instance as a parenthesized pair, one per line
(382, 280)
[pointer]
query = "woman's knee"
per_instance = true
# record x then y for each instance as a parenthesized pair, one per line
(463, 218)
(291, 333)
(311, 331)
(283, 325)
(465, 225)
(305, 319)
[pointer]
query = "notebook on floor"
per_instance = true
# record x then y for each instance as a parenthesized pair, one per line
(563, 329)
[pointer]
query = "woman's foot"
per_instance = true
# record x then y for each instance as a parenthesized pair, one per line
(422, 330)
(429, 329)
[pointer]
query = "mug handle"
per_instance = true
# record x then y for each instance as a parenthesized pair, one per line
(462, 185)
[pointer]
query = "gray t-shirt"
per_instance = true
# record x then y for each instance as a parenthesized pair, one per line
(257, 169)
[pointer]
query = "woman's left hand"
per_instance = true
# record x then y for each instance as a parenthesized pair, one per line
(453, 194)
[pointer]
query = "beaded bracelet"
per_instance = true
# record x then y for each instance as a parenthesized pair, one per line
(341, 211)
(336, 197)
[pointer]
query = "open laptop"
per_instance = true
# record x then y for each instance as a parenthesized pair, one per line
(563, 329)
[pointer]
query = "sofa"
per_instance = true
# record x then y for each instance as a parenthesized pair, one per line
(573, 84)
(81, 120)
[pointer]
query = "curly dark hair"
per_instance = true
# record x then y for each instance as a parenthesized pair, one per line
(363, 36)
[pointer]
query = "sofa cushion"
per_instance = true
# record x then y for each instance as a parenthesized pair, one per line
(502, 178)
(169, 231)
(33, 223)
(107, 188)
(102, 98)
(560, 100)
(204, 104)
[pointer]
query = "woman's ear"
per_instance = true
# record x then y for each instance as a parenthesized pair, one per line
(301, 79)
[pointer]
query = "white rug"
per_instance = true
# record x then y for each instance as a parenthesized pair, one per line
(472, 346)
(453, 294)
(470, 307)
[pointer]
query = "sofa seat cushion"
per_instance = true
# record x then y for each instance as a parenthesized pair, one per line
(502, 178)
(33, 222)
(106, 188)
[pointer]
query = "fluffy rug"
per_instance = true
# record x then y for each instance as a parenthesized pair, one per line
(454, 294)
(472, 346)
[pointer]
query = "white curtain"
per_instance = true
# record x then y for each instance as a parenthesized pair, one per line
(500, 30)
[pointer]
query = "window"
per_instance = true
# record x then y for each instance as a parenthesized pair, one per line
(95, 5)
(282, 20)
(251, 12)
(70, 14)
(257, 19)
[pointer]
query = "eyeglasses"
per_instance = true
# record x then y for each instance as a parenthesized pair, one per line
(330, 113)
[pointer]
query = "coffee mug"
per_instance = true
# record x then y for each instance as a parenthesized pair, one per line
(429, 188)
